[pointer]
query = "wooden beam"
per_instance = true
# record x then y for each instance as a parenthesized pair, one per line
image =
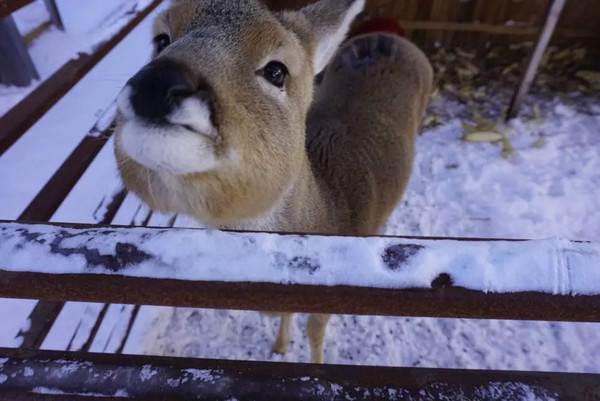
(27, 373)
(492, 28)
(535, 58)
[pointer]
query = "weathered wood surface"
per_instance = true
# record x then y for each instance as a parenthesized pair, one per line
(162, 378)
(215, 269)
(472, 23)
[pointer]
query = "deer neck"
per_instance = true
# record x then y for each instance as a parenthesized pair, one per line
(301, 208)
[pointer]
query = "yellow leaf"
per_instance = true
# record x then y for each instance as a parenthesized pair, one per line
(507, 148)
(469, 128)
(510, 68)
(536, 110)
(540, 142)
(428, 120)
(592, 77)
(483, 123)
(483, 136)
(579, 53)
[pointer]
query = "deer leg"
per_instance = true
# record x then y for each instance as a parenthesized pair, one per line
(315, 331)
(283, 337)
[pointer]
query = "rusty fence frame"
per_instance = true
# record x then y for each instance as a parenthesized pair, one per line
(39, 376)
(113, 282)
(249, 380)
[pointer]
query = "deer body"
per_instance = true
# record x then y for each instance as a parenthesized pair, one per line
(210, 128)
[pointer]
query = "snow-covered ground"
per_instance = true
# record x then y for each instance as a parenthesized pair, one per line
(548, 185)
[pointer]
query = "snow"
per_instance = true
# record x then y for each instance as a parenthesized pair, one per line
(112, 329)
(59, 131)
(84, 17)
(31, 16)
(553, 266)
(76, 318)
(86, 25)
(14, 314)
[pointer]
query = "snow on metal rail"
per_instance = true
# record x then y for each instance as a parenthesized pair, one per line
(37, 375)
(539, 279)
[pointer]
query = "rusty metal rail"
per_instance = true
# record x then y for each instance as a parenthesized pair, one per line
(442, 302)
(7, 7)
(98, 275)
(33, 373)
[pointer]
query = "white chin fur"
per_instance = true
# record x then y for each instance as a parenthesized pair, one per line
(183, 148)
(173, 149)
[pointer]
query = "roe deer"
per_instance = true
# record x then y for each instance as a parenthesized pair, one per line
(224, 123)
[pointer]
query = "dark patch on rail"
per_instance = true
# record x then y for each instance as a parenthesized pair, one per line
(30, 237)
(395, 256)
(126, 254)
(304, 263)
(443, 280)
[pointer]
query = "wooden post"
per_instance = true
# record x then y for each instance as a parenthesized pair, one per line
(16, 66)
(54, 14)
(535, 58)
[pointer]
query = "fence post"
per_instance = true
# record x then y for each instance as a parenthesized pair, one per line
(16, 66)
(535, 58)
(54, 14)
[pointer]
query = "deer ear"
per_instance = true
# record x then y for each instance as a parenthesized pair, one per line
(329, 22)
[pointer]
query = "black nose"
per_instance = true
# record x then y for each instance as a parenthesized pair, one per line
(159, 87)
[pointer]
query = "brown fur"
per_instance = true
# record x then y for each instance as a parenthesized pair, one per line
(336, 162)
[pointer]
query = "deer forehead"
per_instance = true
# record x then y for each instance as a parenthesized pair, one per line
(242, 29)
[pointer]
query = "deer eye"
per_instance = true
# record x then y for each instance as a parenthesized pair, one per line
(161, 41)
(275, 72)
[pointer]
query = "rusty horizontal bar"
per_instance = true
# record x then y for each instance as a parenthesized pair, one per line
(452, 302)
(8, 7)
(94, 273)
(28, 111)
(168, 378)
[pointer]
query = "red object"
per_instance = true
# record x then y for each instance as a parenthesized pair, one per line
(378, 24)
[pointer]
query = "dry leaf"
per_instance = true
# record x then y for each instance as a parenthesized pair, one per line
(483, 136)
(578, 54)
(469, 128)
(428, 120)
(562, 55)
(592, 77)
(507, 148)
(510, 68)
(483, 124)
(464, 54)
(540, 142)
(536, 110)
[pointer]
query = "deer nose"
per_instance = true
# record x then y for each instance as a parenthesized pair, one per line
(159, 87)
